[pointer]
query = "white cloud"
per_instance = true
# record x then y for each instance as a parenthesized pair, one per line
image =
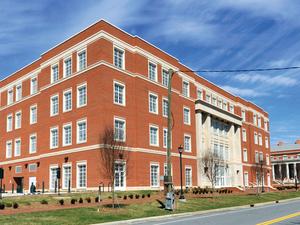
(244, 92)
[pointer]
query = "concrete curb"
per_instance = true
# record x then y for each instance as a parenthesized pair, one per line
(156, 218)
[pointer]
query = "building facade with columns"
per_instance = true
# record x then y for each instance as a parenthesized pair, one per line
(285, 159)
(55, 110)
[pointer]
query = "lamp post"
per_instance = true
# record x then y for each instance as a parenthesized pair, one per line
(180, 150)
(262, 176)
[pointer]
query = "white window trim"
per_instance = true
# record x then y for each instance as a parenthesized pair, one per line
(30, 114)
(8, 96)
(31, 87)
(187, 135)
(244, 132)
(123, 120)
(64, 66)
(77, 57)
(51, 167)
(245, 156)
(51, 144)
(52, 66)
(157, 127)
(166, 129)
(247, 180)
(64, 100)
(162, 72)
(63, 175)
(157, 108)
(189, 122)
(32, 135)
(123, 56)
(156, 76)
(77, 94)
(188, 167)
(29, 170)
(16, 94)
(15, 144)
(188, 90)
(63, 134)
(77, 174)
(124, 94)
(77, 130)
(158, 180)
(6, 149)
(162, 106)
(16, 121)
(12, 122)
(51, 108)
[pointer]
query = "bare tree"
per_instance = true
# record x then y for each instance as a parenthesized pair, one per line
(211, 166)
(260, 175)
(112, 153)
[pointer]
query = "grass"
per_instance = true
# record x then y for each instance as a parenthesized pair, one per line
(91, 215)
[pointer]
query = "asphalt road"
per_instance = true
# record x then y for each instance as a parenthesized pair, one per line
(246, 216)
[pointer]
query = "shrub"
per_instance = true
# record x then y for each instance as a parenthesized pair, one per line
(130, 196)
(2, 206)
(15, 205)
(44, 202)
(149, 195)
(97, 199)
(143, 195)
(8, 204)
(125, 197)
(88, 199)
(137, 196)
(80, 200)
(73, 201)
(61, 202)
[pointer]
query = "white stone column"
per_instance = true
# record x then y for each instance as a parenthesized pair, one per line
(295, 171)
(199, 145)
(273, 171)
(287, 171)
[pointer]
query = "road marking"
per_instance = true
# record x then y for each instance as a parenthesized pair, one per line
(280, 219)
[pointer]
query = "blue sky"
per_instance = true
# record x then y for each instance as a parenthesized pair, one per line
(203, 34)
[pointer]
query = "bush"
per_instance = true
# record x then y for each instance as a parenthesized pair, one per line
(143, 195)
(109, 197)
(15, 205)
(137, 196)
(149, 195)
(125, 197)
(61, 202)
(73, 201)
(44, 202)
(8, 204)
(80, 200)
(2, 206)
(88, 199)
(97, 199)
(130, 196)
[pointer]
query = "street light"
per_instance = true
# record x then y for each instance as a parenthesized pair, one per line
(180, 150)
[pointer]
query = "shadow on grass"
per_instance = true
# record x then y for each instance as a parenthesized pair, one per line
(162, 205)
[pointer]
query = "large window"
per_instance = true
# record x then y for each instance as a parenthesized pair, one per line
(244, 135)
(67, 176)
(81, 131)
(165, 78)
(54, 137)
(54, 105)
(154, 175)
(154, 141)
(68, 67)
(67, 104)
(165, 107)
(8, 149)
(246, 179)
(18, 120)
(119, 93)
(186, 89)
(67, 134)
(10, 96)
(119, 58)
(33, 114)
(188, 176)
(245, 155)
(9, 123)
(33, 85)
(120, 176)
(186, 116)
(81, 95)
(152, 71)
(255, 138)
(19, 92)
(256, 157)
(153, 106)
(267, 142)
(81, 59)
(244, 115)
(120, 129)
(53, 177)
(81, 175)
(187, 143)
(54, 73)
(260, 139)
(18, 147)
(32, 143)
(199, 94)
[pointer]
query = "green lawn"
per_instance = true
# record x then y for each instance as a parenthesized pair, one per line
(90, 215)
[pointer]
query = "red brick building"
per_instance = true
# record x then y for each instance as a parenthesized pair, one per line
(54, 111)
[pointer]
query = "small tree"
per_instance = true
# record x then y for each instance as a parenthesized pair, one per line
(260, 175)
(211, 163)
(112, 152)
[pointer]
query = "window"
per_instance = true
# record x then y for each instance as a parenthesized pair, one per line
(119, 93)
(33, 85)
(267, 142)
(10, 96)
(199, 94)
(231, 108)
(259, 122)
(255, 138)
(153, 106)
(120, 129)
(261, 156)
(32, 143)
(33, 114)
(68, 67)
(186, 116)
(266, 125)
(224, 106)
(32, 167)
(166, 169)
(54, 73)
(214, 101)
(66, 177)
(67, 134)
(187, 143)
(152, 71)
(19, 92)
(246, 179)
(53, 177)
(18, 169)
(260, 139)
(165, 107)
(188, 176)
(254, 120)
(165, 137)
(18, 120)
(186, 89)
(81, 175)
(54, 105)
(18, 147)
(67, 105)
(81, 95)
(54, 137)
(81, 131)
(8, 149)
(120, 175)
(154, 175)
(244, 116)
(165, 78)
(154, 136)
(119, 58)
(245, 155)
(244, 135)
(256, 157)
(81, 59)
(208, 98)
(9, 123)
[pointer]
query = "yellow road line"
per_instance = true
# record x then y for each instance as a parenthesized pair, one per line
(280, 219)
